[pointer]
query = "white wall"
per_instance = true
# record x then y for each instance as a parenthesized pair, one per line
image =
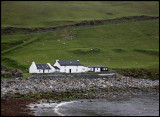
(92, 69)
(39, 70)
(74, 69)
(57, 64)
(52, 68)
(33, 68)
(97, 69)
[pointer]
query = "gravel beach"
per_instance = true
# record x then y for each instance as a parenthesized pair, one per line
(63, 82)
(43, 83)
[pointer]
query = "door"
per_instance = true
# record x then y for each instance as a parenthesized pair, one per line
(94, 69)
(69, 70)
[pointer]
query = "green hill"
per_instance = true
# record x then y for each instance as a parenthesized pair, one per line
(33, 14)
(115, 45)
(111, 45)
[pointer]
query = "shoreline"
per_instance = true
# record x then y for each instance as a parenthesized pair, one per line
(68, 82)
(22, 91)
(54, 109)
(22, 104)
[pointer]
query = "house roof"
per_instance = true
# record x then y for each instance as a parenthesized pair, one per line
(42, 66)
(55, 67)
(97, 66)
(69, 63)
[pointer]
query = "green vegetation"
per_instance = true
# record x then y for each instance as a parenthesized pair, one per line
(129, 45)
(26, 74)
(33, 14)
(56, 95)
(149, 73)
(91, 45)
(150, 52)
(83, 94)
(84, 50)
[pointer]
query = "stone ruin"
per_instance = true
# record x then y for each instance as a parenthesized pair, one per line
(9, 73)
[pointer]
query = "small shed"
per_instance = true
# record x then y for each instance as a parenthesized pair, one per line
(96, 68)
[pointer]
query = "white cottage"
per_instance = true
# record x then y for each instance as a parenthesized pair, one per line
(65, 67)
(70, 66)
(41, 68)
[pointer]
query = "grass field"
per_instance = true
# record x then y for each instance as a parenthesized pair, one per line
(131, 45)
(33, 14)
(127, 45)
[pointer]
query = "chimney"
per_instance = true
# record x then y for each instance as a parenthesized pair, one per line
(77, 60)
(57, 60)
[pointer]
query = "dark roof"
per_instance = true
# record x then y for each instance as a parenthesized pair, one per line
(91, 66)
(55, 67)
(42, 66)
(69, 63)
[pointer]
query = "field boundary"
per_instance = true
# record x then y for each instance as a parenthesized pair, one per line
(16, 30)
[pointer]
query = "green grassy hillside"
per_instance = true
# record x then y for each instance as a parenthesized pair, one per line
(126, 45)
(33, 14)
(118, 43)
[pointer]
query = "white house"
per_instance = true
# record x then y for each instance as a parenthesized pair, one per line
(70, 66)
(41, 68)
(65, 67)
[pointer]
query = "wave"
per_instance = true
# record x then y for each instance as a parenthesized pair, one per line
(56, 109)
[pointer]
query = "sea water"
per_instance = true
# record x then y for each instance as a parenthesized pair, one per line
(142, 105)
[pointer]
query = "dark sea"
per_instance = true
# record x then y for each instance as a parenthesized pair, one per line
(140, 105)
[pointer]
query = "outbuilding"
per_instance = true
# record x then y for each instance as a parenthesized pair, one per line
(96, 68)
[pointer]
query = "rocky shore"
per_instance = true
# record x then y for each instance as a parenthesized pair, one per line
(65, 82)
(51, 88)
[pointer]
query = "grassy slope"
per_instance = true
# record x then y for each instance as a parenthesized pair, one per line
(113, 46)
(54, 13)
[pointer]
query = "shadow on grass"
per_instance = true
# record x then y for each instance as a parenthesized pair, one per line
(149, 52)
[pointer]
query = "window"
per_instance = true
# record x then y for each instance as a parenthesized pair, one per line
(76, 69)
(39, 70)
(97, 68)
(65, 70)
(48, 70)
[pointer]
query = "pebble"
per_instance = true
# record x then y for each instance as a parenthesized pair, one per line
(62, 82)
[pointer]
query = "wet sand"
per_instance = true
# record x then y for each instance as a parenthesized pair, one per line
(16, 107)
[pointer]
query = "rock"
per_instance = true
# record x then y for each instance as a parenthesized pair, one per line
(63, 82)
(35, 106)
